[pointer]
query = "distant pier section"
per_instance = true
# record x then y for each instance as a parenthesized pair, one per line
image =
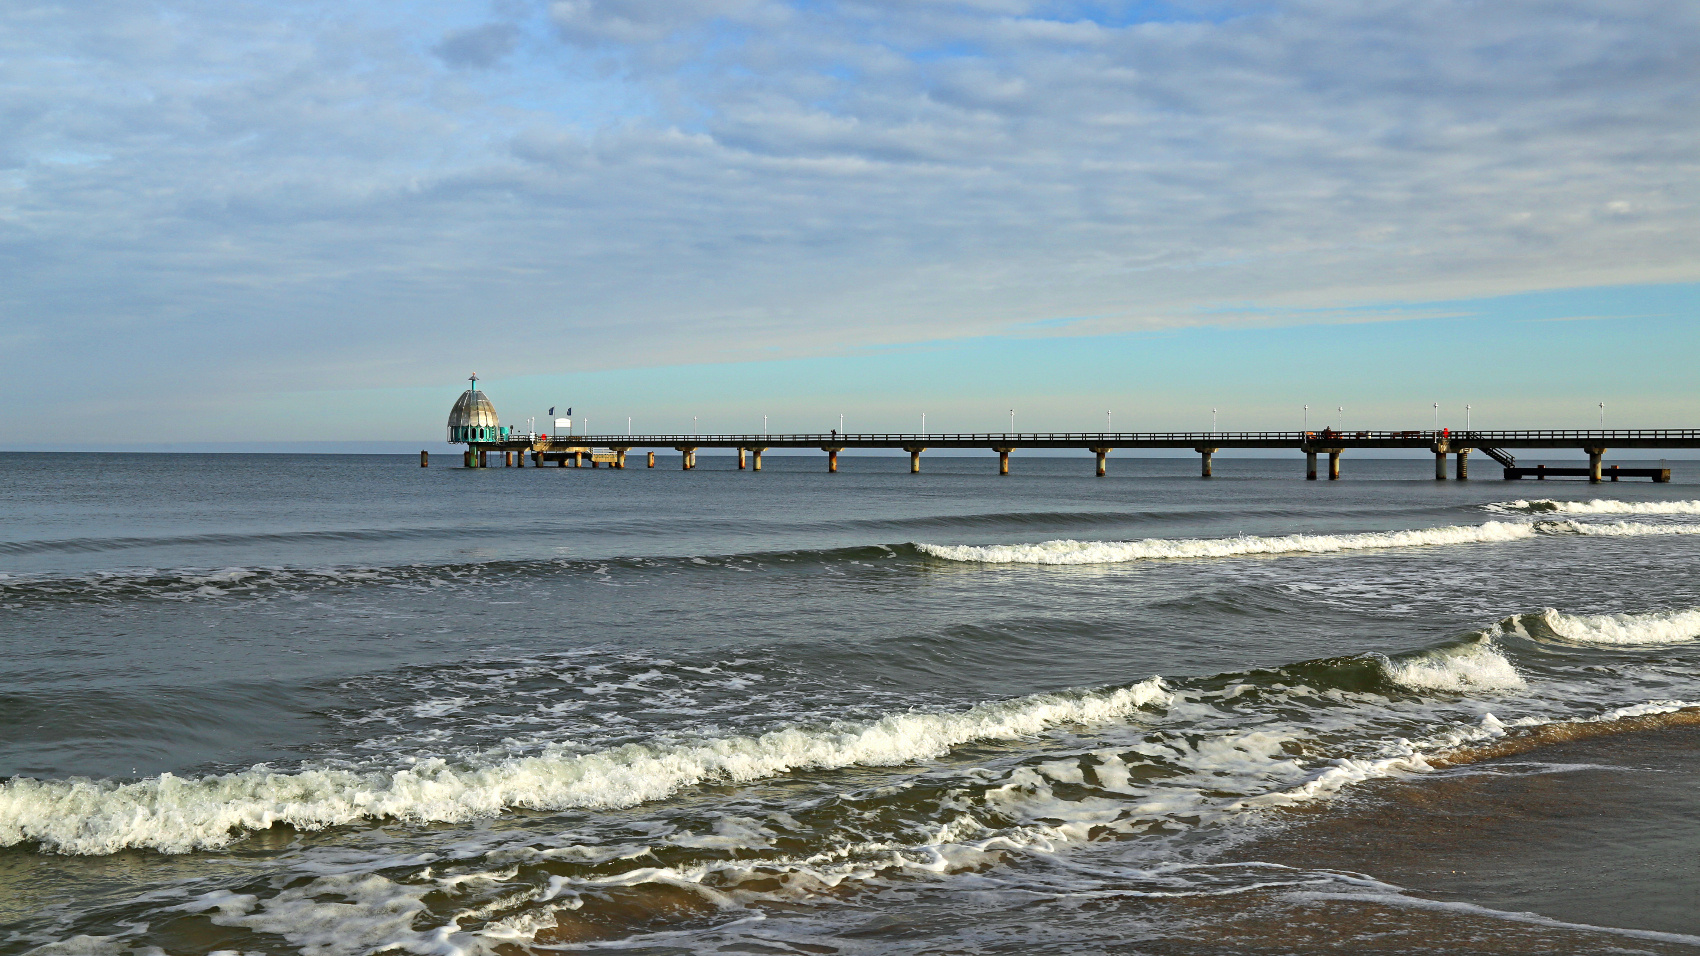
(473, 423)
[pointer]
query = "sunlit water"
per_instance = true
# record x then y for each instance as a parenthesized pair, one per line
(337, 705)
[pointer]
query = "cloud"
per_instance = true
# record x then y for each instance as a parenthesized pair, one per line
(478, 47)
(264, 195)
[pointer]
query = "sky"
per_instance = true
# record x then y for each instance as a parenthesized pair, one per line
(304, 222)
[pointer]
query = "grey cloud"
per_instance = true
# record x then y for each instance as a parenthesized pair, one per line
(649, 21)
(478, 47)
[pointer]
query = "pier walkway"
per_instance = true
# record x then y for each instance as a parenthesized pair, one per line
(1495, 444)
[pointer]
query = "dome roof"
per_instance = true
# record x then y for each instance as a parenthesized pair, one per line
(472, 410)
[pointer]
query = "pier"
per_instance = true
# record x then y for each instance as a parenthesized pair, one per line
(473, 423)
(1443, 444)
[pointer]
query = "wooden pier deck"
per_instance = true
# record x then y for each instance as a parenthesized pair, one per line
(1456, 444)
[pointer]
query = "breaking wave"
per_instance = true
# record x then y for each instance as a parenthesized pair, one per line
(177, 815)
(1599, 506)
(1069, 551)
(1659, 627)
(1476, 666)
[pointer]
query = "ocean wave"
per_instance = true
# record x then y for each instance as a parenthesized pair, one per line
(1068, 551)
(177, 815)
(1598, 506)
(1476, 666)
(1657, 627)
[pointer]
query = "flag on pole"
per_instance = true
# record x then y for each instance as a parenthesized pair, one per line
(551, 409)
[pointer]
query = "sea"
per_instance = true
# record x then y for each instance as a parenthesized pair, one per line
(337, 704)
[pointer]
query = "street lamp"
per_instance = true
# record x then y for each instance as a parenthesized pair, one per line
(1107, 421)
(1466, 418)
(1213, 421)
(1602, 415)
(1012, 421)
(693, 424)
(923, 423)
(764, 426)
(1307, 419)
(1437, 416)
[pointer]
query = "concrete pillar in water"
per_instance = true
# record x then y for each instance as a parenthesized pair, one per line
(1310, 465)
(1440, 466)
(914, 458)
(620, 458)
(1334, 464)
(424, 459)
(578, 459)
(688, 457)
(1463, 470)
(832, 459)
(561, 462)
(466, 458)
(1206, 455)
(1003, 460)
(1102, 453)
(740, 459)
(1594, 456)
(652, 459)
(483, 458)
(755, 458)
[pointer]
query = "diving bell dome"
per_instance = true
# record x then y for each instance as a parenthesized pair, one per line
(473, 418)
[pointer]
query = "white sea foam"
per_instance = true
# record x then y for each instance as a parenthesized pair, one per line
(1659, 627)
(1069, 551)
(1104, 552)
(1471, 667)
(175, 815)
(1598, 506)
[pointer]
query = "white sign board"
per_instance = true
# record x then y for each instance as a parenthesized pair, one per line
(563, 423)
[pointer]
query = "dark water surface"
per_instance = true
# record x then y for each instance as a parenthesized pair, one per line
(340, 705)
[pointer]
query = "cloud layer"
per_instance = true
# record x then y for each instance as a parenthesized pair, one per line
(259, 194)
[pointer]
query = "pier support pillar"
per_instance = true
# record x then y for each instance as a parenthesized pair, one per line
(1206, 456)
(1310, 466)
(507, 459)
(755, 458)
(578, 459)
(914, 458)
(483, 458)
(1102, 453)
(1462, 472)
(466, 458)
(1333, 464)
(740, 459)
(424, 459)
(1594, 456)
(561, 462)
(687, 457)
(1440, 466)
(652, 459)
(832, 459)
(1003, 460)
(620, 458)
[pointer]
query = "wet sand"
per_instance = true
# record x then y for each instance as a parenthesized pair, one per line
(1598, 830)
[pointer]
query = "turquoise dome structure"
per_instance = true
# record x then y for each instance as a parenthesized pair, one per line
(473, 419)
